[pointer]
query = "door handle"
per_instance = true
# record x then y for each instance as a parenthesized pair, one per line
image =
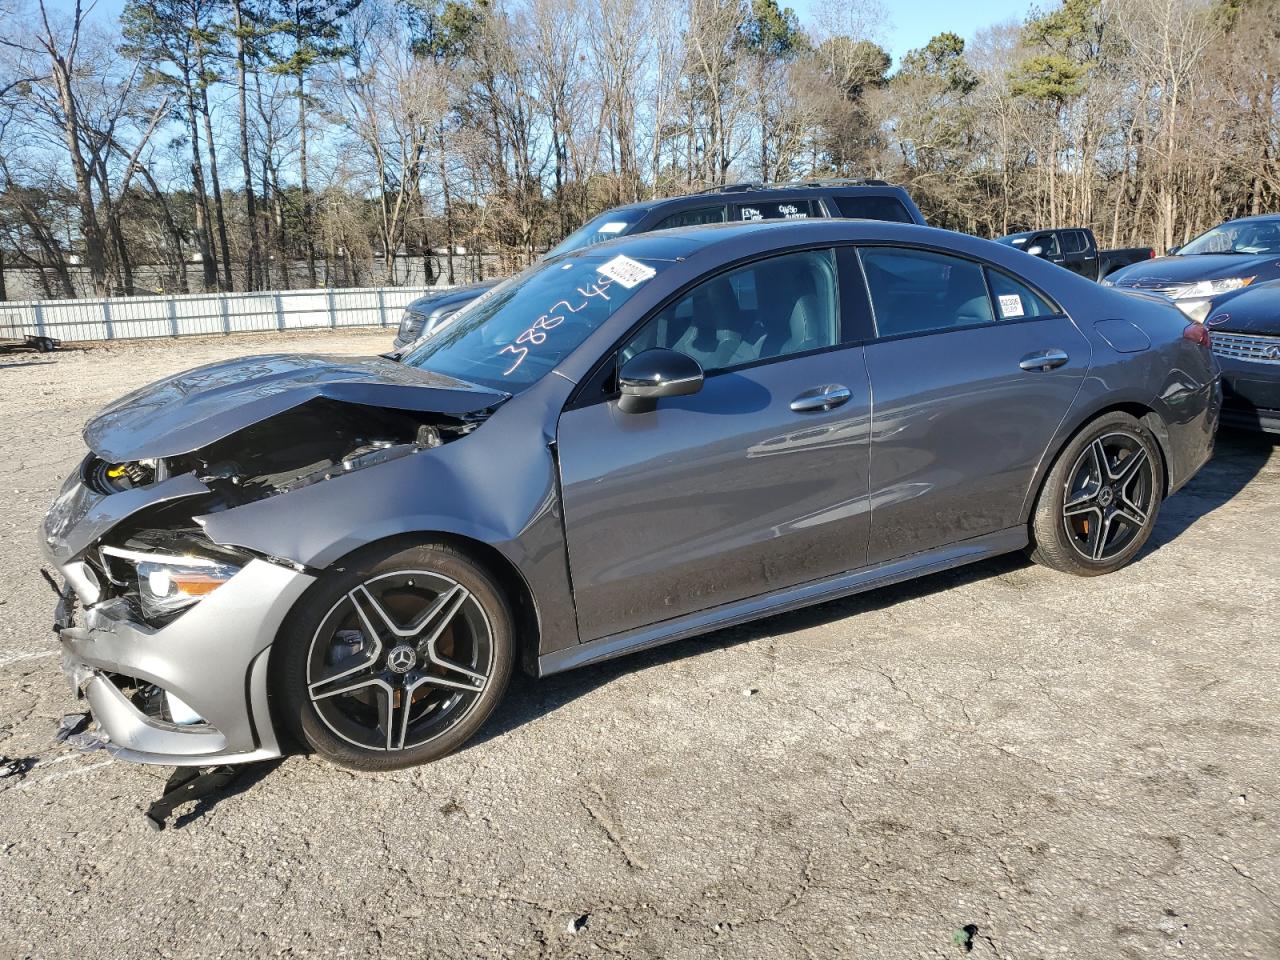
(821, 398)
(1043, 361)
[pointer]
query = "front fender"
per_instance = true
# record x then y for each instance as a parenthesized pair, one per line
(497, 486)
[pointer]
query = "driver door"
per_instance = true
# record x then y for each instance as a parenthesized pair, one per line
(747, 486)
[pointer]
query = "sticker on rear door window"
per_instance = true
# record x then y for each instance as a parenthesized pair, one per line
(613, 226)
(1011, 305)
(626, 271)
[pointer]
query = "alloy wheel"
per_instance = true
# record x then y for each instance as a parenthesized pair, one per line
(1109, 496)
(399, 660)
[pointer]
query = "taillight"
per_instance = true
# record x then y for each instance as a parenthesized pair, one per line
(1151, 253)
(1197, 333)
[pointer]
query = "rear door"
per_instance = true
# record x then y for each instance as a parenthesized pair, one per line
(1074, 251)
(1089, 258)
(752, 484)
(972, 372)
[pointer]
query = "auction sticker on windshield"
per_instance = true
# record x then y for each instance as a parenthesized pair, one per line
(626, 271)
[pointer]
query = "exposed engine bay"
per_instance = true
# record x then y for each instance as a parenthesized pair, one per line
(159, 560)
(317, 441)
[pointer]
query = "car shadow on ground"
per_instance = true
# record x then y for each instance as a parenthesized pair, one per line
(528, 699)
(1238, 459)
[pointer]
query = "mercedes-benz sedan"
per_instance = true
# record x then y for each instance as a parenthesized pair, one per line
(622, 446)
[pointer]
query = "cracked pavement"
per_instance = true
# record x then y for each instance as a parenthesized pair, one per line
(1077, 767)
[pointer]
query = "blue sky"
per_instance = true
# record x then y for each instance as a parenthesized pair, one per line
(909, 25)
(913, 23)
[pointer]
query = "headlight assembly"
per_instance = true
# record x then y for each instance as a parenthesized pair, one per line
(168, 583)
(1211, 288)
(1196, 310)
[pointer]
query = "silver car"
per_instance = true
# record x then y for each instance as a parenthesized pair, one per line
(622, 446)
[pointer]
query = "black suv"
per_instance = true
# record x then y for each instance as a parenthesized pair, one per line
(807, 199)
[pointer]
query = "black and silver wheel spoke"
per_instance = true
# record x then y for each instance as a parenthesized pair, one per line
(397, 708)
(420, 657)
(1130, 514)
(1109, 496)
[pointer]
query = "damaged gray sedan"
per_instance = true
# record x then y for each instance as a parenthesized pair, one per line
(655, 438)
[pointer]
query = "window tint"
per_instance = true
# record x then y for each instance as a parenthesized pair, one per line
(692, 218)
(771, 308)
(913, 291)
(1071, 241)
(873, 208)
(1015, 300)
(1048, 243)
(774, 210)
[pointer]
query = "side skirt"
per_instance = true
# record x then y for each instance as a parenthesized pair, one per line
(781, 601)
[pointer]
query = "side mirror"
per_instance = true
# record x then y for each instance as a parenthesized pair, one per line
(653, 374)
(1036, 251)
(1172, 250)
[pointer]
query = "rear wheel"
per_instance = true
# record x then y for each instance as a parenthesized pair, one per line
(395, 658)
(1100, 500)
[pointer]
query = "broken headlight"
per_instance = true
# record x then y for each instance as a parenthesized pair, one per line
(166, 583)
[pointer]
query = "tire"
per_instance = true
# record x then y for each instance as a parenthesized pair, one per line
(1087, 524)
(394, 658)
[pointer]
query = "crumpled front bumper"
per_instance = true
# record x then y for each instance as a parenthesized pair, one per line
(213, 657)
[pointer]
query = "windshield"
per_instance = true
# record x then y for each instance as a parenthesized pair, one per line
(521, 329)
(1013, 241)
(608, 226)
(1242, 236)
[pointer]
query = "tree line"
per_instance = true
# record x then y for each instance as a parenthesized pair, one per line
(259, 144)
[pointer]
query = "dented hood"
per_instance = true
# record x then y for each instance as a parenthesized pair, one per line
(193, 409)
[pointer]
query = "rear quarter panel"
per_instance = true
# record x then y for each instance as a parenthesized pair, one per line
(1174, 378)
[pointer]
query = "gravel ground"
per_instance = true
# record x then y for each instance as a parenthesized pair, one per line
(1083, 768)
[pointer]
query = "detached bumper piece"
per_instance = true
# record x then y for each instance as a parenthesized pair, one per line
(188, 784)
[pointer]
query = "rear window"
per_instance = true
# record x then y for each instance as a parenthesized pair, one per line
(1015, 299)
(873, 208)
(774, 210)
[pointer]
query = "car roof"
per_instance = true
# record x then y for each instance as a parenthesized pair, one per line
(683, 242)
(1032, 233)
(1255, 218)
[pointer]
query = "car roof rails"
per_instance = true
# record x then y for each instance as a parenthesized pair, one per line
(733, 187)
(841, 182)
(745, 185)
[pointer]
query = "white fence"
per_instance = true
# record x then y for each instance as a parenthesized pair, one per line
(131, 318)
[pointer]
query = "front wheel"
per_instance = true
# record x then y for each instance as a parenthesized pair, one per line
(1100, 500)
(394, 658)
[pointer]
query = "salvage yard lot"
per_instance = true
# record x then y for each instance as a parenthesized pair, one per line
(1083, 768)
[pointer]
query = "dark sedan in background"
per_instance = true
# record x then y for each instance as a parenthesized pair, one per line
(1222, 261)
(1245, 331)
(1229, 279)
